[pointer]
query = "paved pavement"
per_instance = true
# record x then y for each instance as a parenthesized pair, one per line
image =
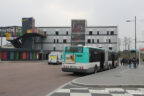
(74, 90)
(121, 81)
(121, 76)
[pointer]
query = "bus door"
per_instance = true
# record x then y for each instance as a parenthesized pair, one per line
(102, 61)
(113, 60)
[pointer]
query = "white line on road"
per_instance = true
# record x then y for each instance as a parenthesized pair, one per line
(49, 94)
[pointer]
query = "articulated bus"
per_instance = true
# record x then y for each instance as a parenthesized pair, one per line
(84, 59)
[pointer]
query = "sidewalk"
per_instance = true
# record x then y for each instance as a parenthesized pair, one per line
(122, 76)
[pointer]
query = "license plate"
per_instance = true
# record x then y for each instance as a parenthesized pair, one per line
(72, 67)
(52, 57)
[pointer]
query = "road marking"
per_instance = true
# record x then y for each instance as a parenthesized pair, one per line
(114, 89)
(79, 88)
(49, 94)
(134, 92)
(99, 91)
(80, 94)
(63, 91)
(142, 90)
(122, 94)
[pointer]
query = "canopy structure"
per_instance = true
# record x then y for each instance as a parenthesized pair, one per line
(134, 50)
(142, 50)
(141, 55)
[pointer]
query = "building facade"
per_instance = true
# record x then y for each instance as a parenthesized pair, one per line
(58, 37)
(96, 36)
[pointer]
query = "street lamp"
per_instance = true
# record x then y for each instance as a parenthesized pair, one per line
(135, 32)
(1, 35)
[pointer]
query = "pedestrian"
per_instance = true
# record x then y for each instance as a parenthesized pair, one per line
(124, 61)
(127, 61)
(130, 62)
(121, 61)
(137, 61)
(134, 63)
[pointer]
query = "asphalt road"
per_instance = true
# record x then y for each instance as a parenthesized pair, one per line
(31, 78)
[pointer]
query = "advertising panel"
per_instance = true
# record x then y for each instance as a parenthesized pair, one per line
(78, 32)
(70, 58)
(27, 24)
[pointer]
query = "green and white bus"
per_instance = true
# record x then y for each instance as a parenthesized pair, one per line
(84, 59)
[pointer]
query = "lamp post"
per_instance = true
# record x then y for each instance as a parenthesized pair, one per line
(1, 35)
(135, 33)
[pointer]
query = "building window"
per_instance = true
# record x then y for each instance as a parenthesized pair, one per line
(110, 48)
(97, 40)
(54, 40)
(90, 32)
(89, 41)
(92, 40)
(54, 48)
(97, 32)
(67, 33)
(57, 33)
(107, 32)
(112, 32)
(109, 41)
(57, 41)
(64, 41)
(106, 40)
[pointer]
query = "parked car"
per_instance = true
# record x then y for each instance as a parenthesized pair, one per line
(55, 58)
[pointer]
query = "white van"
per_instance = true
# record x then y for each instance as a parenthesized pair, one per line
(55, 58)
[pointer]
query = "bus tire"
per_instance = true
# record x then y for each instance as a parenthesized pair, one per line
(76, 73)
(95, 69)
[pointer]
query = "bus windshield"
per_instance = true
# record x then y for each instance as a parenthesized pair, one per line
(74, 49)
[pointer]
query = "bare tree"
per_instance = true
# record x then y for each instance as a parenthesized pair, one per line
(125, 42)
(119, 44)
(129, 43)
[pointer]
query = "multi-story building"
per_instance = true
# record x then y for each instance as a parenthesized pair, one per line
(96, 36)
(58, 37)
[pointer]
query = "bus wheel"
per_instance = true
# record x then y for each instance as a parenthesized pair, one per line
(96, 69)
(76, 73)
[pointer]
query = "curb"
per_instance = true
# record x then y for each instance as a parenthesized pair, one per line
(117, 84)
(101, 85)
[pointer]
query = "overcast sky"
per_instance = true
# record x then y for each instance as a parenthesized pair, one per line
(60, 13)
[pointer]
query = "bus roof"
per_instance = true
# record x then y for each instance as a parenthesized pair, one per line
(102, 49)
